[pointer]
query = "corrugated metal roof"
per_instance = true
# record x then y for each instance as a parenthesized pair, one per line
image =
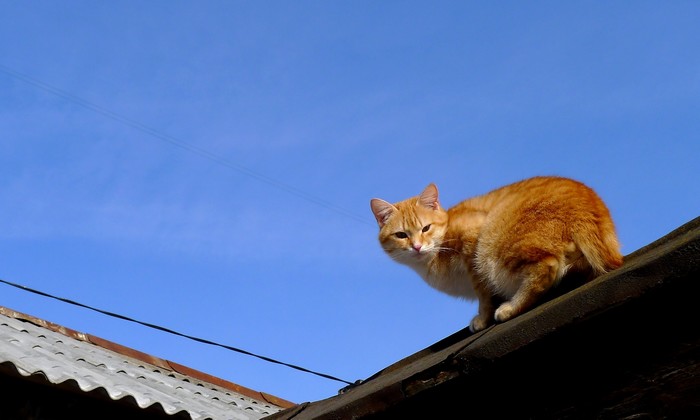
(64, 356)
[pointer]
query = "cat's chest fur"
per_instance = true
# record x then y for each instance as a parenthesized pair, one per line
(449, 274)
(467, 255)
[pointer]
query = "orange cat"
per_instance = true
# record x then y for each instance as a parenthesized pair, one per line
(509, 246)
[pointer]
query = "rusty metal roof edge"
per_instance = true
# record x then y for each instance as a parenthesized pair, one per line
(128, 351)
(392, 385)
(202, 376)
(44, 324)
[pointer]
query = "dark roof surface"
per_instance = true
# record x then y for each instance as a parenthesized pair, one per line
(625, 344)
(41, 350)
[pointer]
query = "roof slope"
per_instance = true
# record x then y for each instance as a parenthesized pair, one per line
(625, 345)
(39, 349)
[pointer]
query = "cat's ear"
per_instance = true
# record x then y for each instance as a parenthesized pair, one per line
(382, 210)
(429, 197)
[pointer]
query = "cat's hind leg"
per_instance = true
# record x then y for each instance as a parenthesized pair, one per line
(537, 279)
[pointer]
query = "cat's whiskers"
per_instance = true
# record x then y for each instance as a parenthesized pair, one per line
(444, 248)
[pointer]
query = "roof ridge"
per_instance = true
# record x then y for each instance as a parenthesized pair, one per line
(146, 358)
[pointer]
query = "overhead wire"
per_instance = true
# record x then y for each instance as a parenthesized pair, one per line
(204, 153)
(173, 332)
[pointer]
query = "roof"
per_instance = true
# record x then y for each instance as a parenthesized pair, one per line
(32, 347)
(625, 345)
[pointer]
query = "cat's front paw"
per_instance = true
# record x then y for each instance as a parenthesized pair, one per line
(479, 323)
(505, 312)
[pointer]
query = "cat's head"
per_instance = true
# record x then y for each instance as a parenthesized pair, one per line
(411, 231)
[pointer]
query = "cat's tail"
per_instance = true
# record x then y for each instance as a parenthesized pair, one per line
(599, 245)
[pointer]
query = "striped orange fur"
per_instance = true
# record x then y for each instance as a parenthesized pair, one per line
(506, 248)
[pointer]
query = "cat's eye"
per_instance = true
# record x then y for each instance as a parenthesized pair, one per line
(401, 235)
(426, 228)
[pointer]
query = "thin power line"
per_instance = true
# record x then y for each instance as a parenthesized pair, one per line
(169, 331)
(181, 144)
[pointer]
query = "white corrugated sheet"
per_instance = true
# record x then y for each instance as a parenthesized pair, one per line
(36, 350)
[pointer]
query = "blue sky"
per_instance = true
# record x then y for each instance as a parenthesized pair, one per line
(208, 166)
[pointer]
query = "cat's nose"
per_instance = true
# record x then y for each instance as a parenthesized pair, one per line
(417, 246)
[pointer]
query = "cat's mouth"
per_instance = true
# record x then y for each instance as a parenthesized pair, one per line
(412, 255)
(419, 254)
